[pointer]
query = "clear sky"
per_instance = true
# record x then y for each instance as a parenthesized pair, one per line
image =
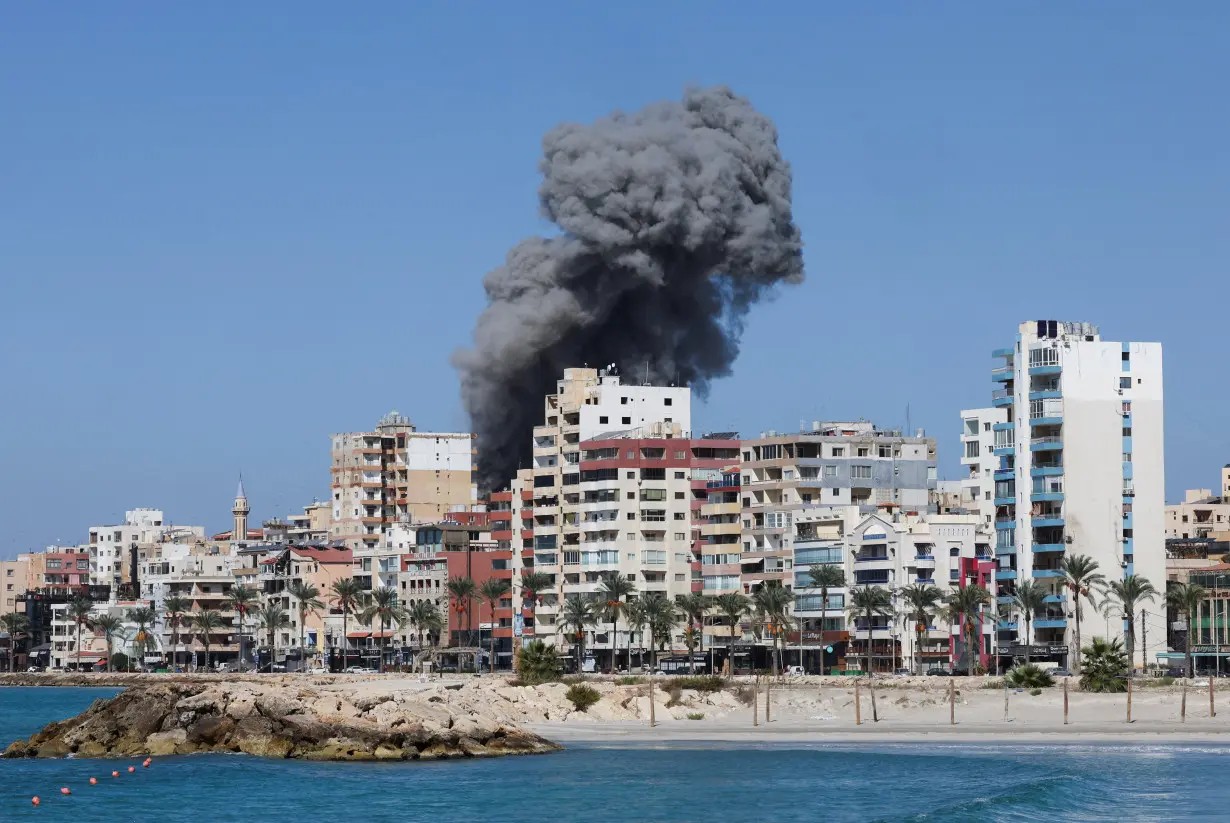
(228, 230)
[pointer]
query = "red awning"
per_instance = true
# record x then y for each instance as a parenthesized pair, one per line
(384, 634)
(358, 635)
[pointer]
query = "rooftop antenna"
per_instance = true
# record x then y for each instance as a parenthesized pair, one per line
(646, 383)
(908, 427)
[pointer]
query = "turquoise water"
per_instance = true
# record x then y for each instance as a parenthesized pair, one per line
(597, 784)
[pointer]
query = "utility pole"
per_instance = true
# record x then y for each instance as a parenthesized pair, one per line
(1144, 640)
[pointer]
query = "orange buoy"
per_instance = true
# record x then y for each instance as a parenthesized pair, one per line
(146, 763)
(93, 781)
(115, 774)
(132, 769)
(35, 800)
(65, 790)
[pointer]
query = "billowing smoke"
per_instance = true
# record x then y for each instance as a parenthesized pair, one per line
(674, 220)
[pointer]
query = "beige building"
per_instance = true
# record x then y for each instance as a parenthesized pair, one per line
(396, 474)
(1202, 513)
(12, 582)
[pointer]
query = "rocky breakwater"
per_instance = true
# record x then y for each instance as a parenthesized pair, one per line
(280, 721)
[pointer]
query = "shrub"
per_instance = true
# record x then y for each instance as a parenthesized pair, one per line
(1165, 681)
(629, 681)
(582, 697)
(572, 680)
(993, 684)
(119, 662)
(745, 695)
(696, 715)
(1029, 677)
(676, 694)
(1035, 692)
(701, 683)
(537, 663)
(1104, 666)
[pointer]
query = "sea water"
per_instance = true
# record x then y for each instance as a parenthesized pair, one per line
(597, 783)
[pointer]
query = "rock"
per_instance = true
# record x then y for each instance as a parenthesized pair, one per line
(211, 730)
(164, 743)
(275, 707)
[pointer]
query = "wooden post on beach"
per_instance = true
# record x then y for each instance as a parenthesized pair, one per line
(952, 703)
(651, 717)
(1005, 701)
(858, 708)
(1065, 701)
(1212, 709)
(768, 686)
(756, 700)
(1129, 705)
(1183, 703)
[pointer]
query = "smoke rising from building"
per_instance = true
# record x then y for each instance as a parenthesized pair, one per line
(674, 220)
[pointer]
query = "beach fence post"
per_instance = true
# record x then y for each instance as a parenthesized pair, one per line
(756, 700)
(652, 722)
(1005, 701)
(858, 708)
(875, 712)
(1065, 701)
(952, 703)
(1212, 708)
(1183, 703)
(1129, 700)
(768, 687)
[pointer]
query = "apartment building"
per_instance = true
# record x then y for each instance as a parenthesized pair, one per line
(202, 574)
(1081, 467)
(978, 458)
(1202, 513)
(278, 569)
(64, 652)
(396, 474)
(834, 464)
(12, 583)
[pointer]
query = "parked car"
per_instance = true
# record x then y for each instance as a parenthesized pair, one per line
(795, 671)
(359, 670)
(938, 671)
(35, 669)
(318, 670)
(1176, 671)
(1059, 672)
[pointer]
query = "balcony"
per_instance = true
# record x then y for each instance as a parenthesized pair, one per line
(1041, 573)
(1001, 398)
(1051, 623)
(1046, 548)
(719, 509)
(1046, 471)
(1004, 474)
(1047, 521)
(1009, 352)
(1003, 373)
(1005, 574)
(1052, 442)
(1045, 369)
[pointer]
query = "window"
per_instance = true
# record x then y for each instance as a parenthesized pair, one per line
(631, 495)
(680, 476)
(806, 498)
(971, 448)
(680, 455)
(681, 536)
(954, 552)
(1127, 432)
(631, 515)
(603, 419)
(631, 475)
(1127, 457)
(864, 451)
(860, 472)
(839, 451)
(830, 471)
(680, 496)
(836, 492)
(627, 421)
(680, 516)
(986, 427)
(666, 402)
(623, 401)
(1125, 382)
(885, 451)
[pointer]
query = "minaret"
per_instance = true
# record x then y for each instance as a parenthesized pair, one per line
(240, 533)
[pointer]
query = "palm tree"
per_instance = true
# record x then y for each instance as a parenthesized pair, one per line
(347, 596)
(772, 600)
(692, 608)
(578, 613)
(1129, 592)
(307, 599)
(922, 599)
(869, 602)
(16, 625)
(174, 608)
(241, 599)
(533, 584)
(144, 617)
(1107, 666)
(384, 608)
(660, 617)
(493, 590)
(964, 607)
(207, 623)
(110, 626)
(1082, 578)
(462, 590)
(615, 588)
(1030, 596)
(272, 617)
(732, 606)
(1185, 599)
(825, 577)
(425, 617)
(634, 613)
(80, 611)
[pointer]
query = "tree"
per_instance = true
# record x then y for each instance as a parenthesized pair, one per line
(772, 600)
(733, 606)
(537, 663)
(1029, 597)
(348, 596)
(174, 609)
(869, 602)
(964, 607)
(578, 613)
(1185, 600)
(1106, 666)
(207, 622)
(241, 599)
(425, 617)
(615, 589)
(1082, 578)
(384, 608)
(462, 591)
(144, 617)
(16, 625)
(80, 612)
(493, 590)
(1129, 593)
(660, 618)
(110, 626)
(307, 599)
(634, 613)
(922, 600)
(692, 610)
(272, 617)
(828, 576)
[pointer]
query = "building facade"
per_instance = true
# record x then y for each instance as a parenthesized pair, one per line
(1202, 514)
(978, 458)
(1081, 463)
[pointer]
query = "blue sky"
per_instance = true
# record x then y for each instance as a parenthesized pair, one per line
(229, 230)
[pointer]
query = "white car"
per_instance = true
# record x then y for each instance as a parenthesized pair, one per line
(359, 670)
(795, 671)
(318, 670)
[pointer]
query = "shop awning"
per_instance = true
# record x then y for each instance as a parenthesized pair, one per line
(358, 635)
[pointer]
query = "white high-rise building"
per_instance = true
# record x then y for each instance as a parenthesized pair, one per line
(1081, 468)
(978, 456)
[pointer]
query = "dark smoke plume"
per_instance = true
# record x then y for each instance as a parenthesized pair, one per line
(674, 220)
